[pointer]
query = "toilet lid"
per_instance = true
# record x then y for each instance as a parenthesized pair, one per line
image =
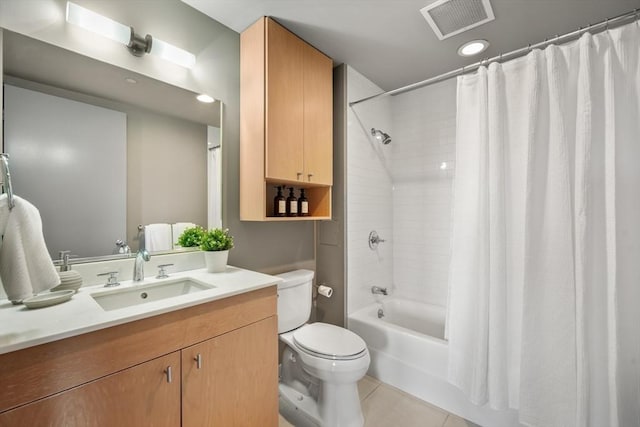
(330, 341)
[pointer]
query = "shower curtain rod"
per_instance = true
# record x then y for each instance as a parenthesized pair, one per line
(603, 25)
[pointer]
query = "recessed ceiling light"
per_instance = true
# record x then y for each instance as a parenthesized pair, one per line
(205, 98)
(473, 47)
(130, 80)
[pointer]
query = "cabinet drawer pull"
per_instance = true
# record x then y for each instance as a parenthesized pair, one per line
(168, 372)
(198, 360)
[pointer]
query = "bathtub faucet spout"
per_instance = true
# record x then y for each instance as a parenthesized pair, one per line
(378, 290)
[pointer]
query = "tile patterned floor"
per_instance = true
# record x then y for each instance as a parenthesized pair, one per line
(386, 406)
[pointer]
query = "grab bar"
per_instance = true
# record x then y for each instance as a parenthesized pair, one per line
(6, 181)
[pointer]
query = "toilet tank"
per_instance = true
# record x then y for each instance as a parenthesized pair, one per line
(294, 299)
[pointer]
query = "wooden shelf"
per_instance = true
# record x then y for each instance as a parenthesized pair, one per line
(295, 218)
(319, 202)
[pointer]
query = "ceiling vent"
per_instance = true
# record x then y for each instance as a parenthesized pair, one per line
(450, 17)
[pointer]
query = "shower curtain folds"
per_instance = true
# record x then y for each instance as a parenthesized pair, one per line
(545, 271)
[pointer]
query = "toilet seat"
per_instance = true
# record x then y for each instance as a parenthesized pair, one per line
(329, 342)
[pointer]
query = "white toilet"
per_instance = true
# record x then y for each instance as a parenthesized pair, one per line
(321, 364)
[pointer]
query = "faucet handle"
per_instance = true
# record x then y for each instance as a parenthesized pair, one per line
(162, 274)
(112, 280)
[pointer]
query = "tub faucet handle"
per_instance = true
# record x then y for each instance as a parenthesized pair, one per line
(377, 290)
(374, 240)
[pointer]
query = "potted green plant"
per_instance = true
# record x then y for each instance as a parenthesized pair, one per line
(216, 244)
(191, 237)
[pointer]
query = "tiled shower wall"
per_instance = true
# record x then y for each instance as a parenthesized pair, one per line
(369, 193)
(403, 191)
(423, 157)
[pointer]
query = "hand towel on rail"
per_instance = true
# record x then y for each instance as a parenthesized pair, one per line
(25, 265)
(157, 237)
(178, 228)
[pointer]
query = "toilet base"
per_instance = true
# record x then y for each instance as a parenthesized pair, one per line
(298, 408)
(302, 410)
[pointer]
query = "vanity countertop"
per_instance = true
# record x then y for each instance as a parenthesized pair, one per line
(23, 327)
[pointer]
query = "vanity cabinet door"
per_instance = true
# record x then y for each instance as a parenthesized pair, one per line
(232, 379)
(138, 396)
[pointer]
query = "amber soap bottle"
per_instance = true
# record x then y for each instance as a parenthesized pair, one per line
(292, 204)
(303, 204)
(279, 204)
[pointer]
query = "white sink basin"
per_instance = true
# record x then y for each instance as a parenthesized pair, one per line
(141, 294)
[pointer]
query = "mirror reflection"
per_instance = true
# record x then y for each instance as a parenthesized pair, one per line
(101, 150)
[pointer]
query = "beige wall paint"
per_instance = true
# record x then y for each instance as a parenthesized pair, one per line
(330, 241)
(268, 247)
(161, 149)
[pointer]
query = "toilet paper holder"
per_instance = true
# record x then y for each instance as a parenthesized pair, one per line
(323, 289)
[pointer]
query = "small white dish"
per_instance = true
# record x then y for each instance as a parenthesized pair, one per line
(50, 298)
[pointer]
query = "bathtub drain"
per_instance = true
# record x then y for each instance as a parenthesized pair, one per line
(380, 313)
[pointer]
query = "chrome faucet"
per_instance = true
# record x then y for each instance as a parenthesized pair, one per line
(378, 290)
(138, 266)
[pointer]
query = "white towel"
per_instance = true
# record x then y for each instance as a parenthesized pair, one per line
(157, 237)
(25, 265)
(178, 228)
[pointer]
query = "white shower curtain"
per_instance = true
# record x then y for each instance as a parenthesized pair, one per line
(544, 303)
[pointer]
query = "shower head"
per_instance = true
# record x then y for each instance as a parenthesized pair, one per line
(381, 136)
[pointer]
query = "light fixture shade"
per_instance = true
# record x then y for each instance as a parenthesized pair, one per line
(171, 53)
(116, 31)
(97, 23)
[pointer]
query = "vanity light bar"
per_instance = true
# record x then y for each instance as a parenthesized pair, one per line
(174, 54)
(97, 23)
(138, 46)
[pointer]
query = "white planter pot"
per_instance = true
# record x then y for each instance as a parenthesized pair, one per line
(216, 261)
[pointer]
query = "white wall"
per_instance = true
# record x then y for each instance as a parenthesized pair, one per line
(424, 137)
(369, 193)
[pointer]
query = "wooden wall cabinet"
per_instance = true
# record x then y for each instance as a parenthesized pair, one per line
(286, 121)
(222, 356)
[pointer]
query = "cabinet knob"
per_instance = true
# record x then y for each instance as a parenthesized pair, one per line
(168, 373)
(310, 175)
(299, 175)
(198, 360)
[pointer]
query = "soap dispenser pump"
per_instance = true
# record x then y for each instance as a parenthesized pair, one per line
(64, 260)
(292, 204)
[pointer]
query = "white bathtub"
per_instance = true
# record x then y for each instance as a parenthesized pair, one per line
(408, 351)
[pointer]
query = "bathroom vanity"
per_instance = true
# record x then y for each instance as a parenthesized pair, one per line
(208, 358)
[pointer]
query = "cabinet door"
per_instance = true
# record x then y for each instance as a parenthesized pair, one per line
(138, 396)
(235, 382)
(318, 117)
(284, 109)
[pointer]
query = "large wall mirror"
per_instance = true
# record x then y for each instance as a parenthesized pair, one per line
(102, 150)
